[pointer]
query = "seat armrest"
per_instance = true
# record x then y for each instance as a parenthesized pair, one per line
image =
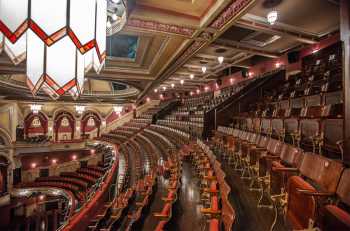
(312, 193)
(160, 215)
(276, 169)
(272, 157)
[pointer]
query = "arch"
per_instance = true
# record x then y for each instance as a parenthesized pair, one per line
(57, 122)
(84, 121)
(29, 119)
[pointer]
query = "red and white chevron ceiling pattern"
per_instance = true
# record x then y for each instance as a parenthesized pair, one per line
(61, 40)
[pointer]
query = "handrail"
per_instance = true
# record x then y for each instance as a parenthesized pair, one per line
(209, 115)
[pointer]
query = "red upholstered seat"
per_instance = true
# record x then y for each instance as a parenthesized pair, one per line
(166, 209)
(214, 225)
(215, 203)
(301, 207)
(213, 186)
(160, 225)
(336, 218)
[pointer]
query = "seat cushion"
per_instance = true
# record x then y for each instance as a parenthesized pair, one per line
(335, 218)
(300, 208)
(160, 226)
(214, 225)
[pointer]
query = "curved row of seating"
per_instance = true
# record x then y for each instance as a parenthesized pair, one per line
(171, 194)
(287, 177)
(214, 188)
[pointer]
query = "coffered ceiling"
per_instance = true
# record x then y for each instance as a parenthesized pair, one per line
(175, 38)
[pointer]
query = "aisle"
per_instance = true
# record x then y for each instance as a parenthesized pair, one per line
(150, 221)
(249, 217)
(189, 217)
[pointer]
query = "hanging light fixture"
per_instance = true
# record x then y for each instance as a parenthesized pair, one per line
(204, 69)
(60, 40)
(221, 59)
(272, 17)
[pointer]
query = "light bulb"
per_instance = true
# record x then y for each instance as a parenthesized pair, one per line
(272, 17)
(221, 59)
(109, 24)
(204, 69)
(114, 17)
(191, 76)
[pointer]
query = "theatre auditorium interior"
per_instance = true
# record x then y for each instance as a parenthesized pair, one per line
(174, 115)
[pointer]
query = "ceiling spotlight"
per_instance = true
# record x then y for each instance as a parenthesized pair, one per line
(155, 90)
(221, 59)
(204, 69)
(198, 91)
(182, 81)
(148, 99)
(79, 109)
(118, 109)
(109, 24)
(206, 88)
(114, 16)
(172, 85)
(164, 88)
(272, 17)
(35, 108)
(191, 93)
(191, 76)
(250, 74)
(278, 64)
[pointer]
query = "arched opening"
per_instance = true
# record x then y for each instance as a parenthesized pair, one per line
(64, 124)
(35, 124)
(89, 122)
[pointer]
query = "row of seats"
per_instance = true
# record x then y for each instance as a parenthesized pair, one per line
(214, 188)
(286, 176)
(164, 216)
(78, 182)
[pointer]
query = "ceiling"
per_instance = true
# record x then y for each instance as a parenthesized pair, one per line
(164, 42)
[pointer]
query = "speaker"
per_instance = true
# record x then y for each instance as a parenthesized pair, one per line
(293, 56)
(219, 82)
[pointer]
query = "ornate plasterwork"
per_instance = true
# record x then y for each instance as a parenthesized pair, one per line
(162, 27)
(230, 12)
